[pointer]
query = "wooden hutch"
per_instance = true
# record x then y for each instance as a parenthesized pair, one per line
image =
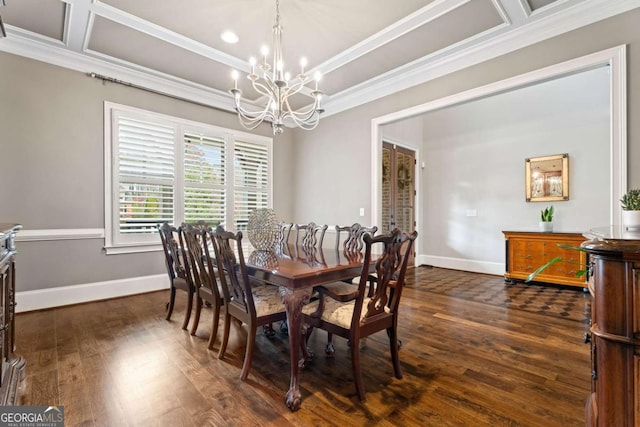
(615, 327)
(12, 371)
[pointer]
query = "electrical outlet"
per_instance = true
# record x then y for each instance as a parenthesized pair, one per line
(361, 211)
(472, 212)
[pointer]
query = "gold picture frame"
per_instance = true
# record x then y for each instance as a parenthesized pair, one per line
(547, 178)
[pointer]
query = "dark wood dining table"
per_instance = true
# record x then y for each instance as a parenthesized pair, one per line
(296, 271)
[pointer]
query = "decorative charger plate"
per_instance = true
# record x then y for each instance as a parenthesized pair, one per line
(262, 229)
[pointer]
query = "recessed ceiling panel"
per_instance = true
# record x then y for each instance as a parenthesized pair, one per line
(133, 46)
(537, 4)
(315, 29)
(45, 17)
(477, 16)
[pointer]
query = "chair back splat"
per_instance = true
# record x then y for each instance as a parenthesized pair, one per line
(353, 242)
(178, 268)
(390, 269)
(310, 238)
(235, 285)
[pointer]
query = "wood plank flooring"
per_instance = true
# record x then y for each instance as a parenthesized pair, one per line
(466, 362)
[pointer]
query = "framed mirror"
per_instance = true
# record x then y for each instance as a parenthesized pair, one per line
(547, 178)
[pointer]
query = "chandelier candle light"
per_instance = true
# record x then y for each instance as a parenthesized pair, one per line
(277, 86)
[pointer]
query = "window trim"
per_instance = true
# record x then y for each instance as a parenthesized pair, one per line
(111, 218)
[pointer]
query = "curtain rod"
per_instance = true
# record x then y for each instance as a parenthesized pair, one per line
(146, 89)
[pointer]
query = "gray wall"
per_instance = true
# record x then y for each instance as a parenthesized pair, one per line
(474, 155)
(344, 140)
(51, 144)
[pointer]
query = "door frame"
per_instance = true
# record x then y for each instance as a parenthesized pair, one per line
(614, 57)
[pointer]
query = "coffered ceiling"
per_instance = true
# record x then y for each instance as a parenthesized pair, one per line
(365, 49)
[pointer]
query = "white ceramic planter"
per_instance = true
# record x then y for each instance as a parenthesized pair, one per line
(631, 220)
(545, 226)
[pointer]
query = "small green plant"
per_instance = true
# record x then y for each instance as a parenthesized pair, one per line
(546, 215)
(584, 269)
(631, 200)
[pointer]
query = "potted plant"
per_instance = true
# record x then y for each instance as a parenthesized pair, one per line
(546, 219)
(630, 203)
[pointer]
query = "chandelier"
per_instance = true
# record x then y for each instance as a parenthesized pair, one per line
(276, 85)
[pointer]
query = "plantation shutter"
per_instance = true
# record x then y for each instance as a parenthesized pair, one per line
(251, 180)
(204, 178)
(160, 168)
(146, 174)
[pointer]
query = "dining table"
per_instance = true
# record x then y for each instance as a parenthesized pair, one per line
(296, 270)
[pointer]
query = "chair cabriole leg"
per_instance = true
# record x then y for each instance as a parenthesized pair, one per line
(187, 313)
(196, 317)
(172, 300)
(214, 326)
(357, 373)
(225, 335)
(248, 355)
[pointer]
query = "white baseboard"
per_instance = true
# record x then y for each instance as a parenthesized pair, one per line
(76, 294)
(65, 295)
(485, 267)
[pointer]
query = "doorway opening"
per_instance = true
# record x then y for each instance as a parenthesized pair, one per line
(614, 59)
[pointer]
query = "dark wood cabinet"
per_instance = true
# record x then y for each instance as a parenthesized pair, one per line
(12, 371)
(526, 251)
(615, 328)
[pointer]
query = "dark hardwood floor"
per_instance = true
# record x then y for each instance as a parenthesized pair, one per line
(501, 360)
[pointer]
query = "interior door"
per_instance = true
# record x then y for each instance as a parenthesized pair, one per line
(398, 189)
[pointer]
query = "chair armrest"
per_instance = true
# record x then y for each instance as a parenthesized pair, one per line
(338, 296)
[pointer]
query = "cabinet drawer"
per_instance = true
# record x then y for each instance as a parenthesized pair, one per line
(527, 251)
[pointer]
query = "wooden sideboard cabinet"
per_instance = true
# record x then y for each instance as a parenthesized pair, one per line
(526, 251)
(12, 371)
(615, 328)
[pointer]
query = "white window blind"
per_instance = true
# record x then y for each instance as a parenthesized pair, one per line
(160, 168)
(146, 172)
(204, 178)
(251, 180)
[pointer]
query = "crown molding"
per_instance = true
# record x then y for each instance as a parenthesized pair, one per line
(428, 13)
(498, 41)
(502, 39)
(30, 45)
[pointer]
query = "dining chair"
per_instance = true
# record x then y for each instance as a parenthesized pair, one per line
(353, 314)
(177, 268)
(352, 245)
(204, 277)
(309, 232)
(254, 304)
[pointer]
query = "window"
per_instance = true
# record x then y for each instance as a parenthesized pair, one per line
(160, 168)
